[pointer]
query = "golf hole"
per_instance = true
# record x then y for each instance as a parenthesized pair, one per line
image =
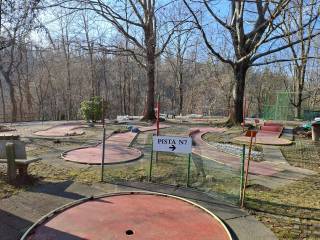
(129, 232)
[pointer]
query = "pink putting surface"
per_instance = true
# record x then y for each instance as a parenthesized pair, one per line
(136, 217)
(204, 149)
(265, 139)
(113, 154)
(116, 151)
(61, 131)
(269, 134)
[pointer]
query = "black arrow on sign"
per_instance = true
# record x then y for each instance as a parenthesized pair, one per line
(173, 147)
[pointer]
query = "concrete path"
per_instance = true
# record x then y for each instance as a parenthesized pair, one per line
(20, 211)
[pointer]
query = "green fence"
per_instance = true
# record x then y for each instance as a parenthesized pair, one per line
(206, 175)
(278, 107)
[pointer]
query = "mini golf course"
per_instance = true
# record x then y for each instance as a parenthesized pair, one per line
(204, 149)
(117, 149)
(63, 130)
(130, 215)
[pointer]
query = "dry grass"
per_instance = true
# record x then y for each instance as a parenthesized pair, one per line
(291, 212)
(303, 153)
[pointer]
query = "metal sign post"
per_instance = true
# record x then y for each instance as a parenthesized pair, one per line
(103, 153)
(150, 169)
(172, 145)
(189, 168)
(158, 121)
(242, 170)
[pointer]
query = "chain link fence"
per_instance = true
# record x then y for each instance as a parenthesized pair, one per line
(207, 175)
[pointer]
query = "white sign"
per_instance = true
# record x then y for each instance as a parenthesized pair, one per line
(172, 144)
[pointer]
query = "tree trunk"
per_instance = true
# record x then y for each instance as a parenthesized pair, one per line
(180, 93)
(13, 102)
(298, 107)
(299, 86)
(239, 71)
(150, 42)
(11, 94)
(69, 111)
(3, 102)
(150, 113)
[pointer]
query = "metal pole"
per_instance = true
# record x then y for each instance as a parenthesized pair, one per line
(189, 166)
(103, 152)
(158, 116)
(102, 112)
(242, 169)
(158, 122)
(150, 169)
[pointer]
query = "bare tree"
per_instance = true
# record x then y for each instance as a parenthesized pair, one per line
(253, 32)
(140, 22)
(302, 15)
(17, 19)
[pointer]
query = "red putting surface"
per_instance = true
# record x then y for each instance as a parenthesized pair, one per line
(136, 216)
(116, 151)
(61, 131)
(113, 154)
(269, 134)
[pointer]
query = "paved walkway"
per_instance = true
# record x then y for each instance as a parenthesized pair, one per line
(20, 211)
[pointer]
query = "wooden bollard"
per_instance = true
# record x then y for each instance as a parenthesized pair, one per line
(12, 170)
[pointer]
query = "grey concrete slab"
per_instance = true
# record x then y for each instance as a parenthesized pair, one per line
(273, 154)
(249, 228)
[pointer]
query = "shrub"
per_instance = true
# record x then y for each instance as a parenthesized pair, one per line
(91, 110)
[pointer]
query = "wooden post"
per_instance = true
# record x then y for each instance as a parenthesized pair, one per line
(252, 135)
(12, 171)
